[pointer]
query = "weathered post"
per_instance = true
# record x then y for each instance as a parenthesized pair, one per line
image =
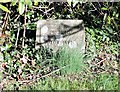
(57, 33)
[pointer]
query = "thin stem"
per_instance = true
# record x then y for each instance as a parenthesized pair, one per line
(5, 23)
(23, 43)
(17, 35)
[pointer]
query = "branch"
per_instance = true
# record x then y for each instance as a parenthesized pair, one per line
(28, 81)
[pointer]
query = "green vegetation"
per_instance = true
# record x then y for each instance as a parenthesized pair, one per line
(25, 68)
(73, 59)
(101, 82)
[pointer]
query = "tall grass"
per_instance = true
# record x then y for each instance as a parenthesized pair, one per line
(72, 58)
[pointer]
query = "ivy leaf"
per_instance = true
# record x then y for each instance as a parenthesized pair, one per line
(21, 7)
(35, 2)
(4, 8)
(69, 2)
(109, 19)
(104, 8)
(74, 3)
(29, 3)
(14, 2)
(5, 1)
(105, 16)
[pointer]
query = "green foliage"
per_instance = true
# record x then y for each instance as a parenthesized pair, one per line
(73, 59)
(73, 1)
(102, 82)
(21, 7)
(101, 20)
(14, 2)
(4, 8)
(22, 4)
(5, 1)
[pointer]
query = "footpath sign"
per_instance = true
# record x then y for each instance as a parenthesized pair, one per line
(55, 34)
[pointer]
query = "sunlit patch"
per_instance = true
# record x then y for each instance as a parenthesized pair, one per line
(44, 30)
(72, 44)
(1, 57)
(43, 38)
(0, 32)
(60, 43)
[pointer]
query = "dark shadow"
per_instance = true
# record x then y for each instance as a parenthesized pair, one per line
(70, 29)
(30, 37)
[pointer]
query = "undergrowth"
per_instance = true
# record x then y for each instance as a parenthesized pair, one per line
(64, 70)
(30, 69)
(73, 59)
(102, 82)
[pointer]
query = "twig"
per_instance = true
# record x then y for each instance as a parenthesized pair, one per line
(96, 8)
(17, 36)
(49, 10)
(5, 22)
(27, 81)
(53, 72)
(17, 18)
(100, 61)
(39, 7)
